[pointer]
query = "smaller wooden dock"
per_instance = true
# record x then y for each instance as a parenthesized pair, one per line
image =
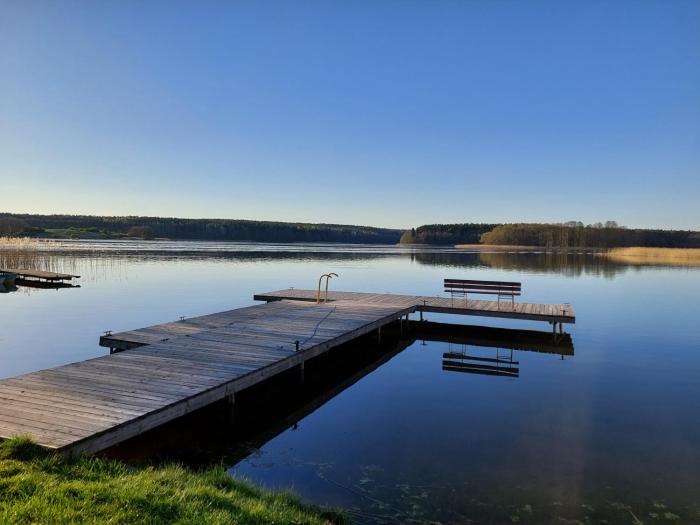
(550, 313)
(40, 275)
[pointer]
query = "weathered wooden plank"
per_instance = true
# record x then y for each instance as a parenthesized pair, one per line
(49, 405)
(104, 393)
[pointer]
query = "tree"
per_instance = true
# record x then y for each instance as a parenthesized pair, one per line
(143, 232)
(12, 226)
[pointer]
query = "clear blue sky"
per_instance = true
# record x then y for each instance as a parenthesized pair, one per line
(386, 113)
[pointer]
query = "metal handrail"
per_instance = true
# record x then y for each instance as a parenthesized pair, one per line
(328, 277)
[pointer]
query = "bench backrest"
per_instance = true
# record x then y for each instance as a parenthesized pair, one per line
(490, 287)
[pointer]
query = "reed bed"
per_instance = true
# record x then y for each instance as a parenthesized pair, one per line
(25, 243)
(643, 256)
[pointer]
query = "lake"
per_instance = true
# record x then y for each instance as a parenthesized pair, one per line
(607, 430)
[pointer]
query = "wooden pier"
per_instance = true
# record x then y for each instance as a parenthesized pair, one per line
(178, 367)
(551, 313)
(40, 275)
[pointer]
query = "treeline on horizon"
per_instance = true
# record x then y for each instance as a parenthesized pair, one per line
(87, 226)
(446, 234)
(565, 235)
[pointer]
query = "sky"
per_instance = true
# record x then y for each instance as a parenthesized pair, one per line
(387, 113)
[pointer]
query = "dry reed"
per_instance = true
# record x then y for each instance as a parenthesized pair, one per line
(640, 255)
(24, 243)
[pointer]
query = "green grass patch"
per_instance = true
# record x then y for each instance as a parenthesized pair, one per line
(38, 486)
(79, 233)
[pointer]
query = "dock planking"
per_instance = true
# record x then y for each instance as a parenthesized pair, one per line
(40, 275)
(171, 369)
(552, 313)
(182, 366)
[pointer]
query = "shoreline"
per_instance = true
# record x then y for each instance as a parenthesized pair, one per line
(41, 486)
(480, 247)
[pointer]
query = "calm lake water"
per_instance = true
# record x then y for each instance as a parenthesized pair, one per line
(611, 432)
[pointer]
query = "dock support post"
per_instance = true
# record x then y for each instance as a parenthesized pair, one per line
(421, 316)
(302, 371)
(231, 400)
(379, 335)
(561, 328)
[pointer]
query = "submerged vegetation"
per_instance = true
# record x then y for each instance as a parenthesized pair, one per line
(37, 486)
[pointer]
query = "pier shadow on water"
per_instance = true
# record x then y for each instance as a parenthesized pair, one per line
(471, 467)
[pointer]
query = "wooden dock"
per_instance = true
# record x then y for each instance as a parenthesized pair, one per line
(551, 313)
(178, 367)
(40, 275)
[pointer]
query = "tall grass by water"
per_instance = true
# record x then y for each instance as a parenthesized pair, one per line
(38, 486)
(24, 243)
(643, 256)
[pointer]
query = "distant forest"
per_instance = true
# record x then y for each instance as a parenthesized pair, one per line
(600, 235)
(85, 226)
(564, 235)
(446, 234)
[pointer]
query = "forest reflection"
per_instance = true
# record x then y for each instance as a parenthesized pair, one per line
(92, 264)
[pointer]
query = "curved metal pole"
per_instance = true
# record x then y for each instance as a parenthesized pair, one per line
(318, 290)
(328, 278)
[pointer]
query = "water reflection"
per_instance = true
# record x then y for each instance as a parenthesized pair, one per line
(565, 263)
(469, 363)
(99, 259)
(498, 338)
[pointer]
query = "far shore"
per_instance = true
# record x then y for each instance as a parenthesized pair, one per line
(497, 247)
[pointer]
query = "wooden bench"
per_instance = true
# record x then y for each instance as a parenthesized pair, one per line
(463, 287)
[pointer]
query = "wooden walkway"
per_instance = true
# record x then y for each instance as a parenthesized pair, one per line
(181, 366)
(90, 405)
(552, 313)
(40, 275)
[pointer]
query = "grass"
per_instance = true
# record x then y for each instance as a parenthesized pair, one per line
(81, 233)
(21, 243)
(38, 486)
(640, 255)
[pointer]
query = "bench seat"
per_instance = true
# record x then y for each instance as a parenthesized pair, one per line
(463, 287)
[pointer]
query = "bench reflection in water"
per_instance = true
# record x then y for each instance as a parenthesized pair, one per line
(490, 351)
